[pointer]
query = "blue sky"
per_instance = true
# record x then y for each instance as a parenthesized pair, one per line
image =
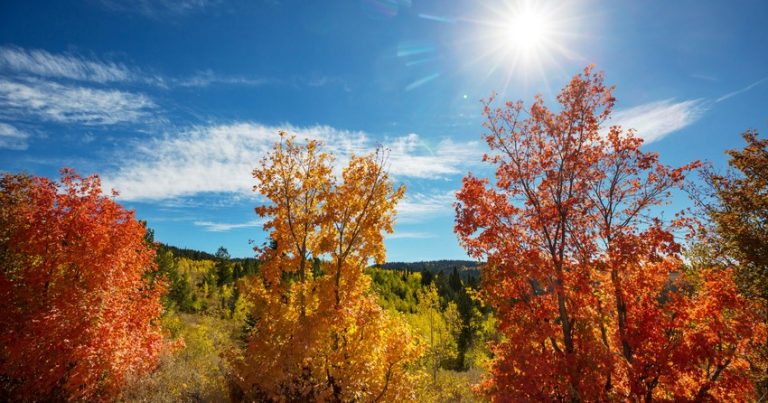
(174, 102)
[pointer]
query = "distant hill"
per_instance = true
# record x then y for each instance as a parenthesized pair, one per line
(186, 253)
(435, 266)
(199, 255)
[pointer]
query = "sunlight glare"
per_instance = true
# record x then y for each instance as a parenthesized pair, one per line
(528, 30)
(522, 41)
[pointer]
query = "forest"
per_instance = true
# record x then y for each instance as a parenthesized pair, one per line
(579, 288)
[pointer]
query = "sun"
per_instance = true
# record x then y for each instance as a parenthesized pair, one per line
(529, 30)
(522, 41)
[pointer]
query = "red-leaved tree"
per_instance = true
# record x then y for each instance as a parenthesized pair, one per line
(79, 312)
(587, 283)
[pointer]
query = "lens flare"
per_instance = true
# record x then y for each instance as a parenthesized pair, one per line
(383, 9)
(523, 40)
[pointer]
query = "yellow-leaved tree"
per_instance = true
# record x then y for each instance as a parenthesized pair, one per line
(318, 332)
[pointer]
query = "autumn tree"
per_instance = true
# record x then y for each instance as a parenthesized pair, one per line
(80, 313)
(441, 328)
(224, 269)
(585, 281)
(318, 332)
(737, 204)
(734, 232)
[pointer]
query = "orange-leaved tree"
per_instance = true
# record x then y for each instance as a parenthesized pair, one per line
(318, 332)
(79, 314)
(733, 232)
(587, 283)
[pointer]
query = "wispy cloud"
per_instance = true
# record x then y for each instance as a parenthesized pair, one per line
(71, 104)
(12, 138)
(160, 8)
(654, 121)
(419, 207)
(44, 64)
(24, 64)
(199, 160)
(207, 78)
(223, 227)
(741, 91)
(410, 235)
(220, 158)
(316, 80)
(413, 157)
(421, 81)
(704, 77)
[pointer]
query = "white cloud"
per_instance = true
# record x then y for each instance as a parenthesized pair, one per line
(411, 156)
(45, 64)
(12, 138)
(318, 80)
(29, 63)
(160, 8)
(72, 104)
(409, 235)
(742, 90)
(41, 63)
(220, 158)
(209, 159)
(416, 208)
(223, 227)
(207, 77)
(654, 121)
(419, 207)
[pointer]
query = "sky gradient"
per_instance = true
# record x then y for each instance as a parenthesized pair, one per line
(173, 103)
